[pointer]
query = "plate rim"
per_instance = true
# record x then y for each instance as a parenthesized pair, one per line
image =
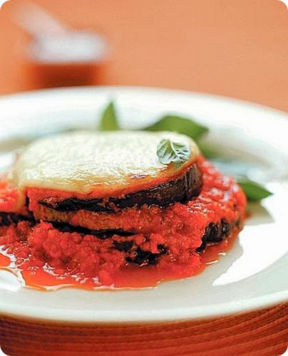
(179, 314)
(115, 87)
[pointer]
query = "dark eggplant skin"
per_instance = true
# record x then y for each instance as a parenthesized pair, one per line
(181, 190)
(7, 219)
(100, 234)
(214, 233)
(142, 257)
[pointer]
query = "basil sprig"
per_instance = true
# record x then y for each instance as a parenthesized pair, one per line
(177, 153)
(253, 190)
(172, 152)
(109, 120)
(179, 124)
(241, 171)
(175, 123)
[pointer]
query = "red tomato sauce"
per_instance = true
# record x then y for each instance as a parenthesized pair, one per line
(163, 245)
(128, 277)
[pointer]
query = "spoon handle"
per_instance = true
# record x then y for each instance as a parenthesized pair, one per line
(37, 21)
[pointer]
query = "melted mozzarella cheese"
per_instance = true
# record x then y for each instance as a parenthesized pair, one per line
(84, 161)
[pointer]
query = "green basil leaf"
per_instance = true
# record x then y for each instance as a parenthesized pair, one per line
(254, 191)
(109, 121)
(168, 152)
(241, 170)
(179, 124)
(208, 151)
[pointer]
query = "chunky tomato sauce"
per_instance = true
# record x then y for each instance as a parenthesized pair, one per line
(128, 277)
(165, 244)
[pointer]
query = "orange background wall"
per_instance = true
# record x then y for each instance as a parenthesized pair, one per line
(227, 47)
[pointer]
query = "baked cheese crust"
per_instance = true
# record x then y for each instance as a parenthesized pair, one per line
(87, 161)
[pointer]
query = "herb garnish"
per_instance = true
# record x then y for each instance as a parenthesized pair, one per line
(254, 191)
(169, 151)
(109, 120)
(241, 171)
(179, 124)
(177, 153)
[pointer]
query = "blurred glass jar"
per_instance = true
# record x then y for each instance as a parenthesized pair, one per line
(68, 58)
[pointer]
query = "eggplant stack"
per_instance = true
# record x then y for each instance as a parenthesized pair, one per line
(91, 204)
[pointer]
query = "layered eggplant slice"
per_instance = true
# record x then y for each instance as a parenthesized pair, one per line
(93, 203)
(181, 189)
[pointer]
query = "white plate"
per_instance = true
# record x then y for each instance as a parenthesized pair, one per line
(251, 275)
